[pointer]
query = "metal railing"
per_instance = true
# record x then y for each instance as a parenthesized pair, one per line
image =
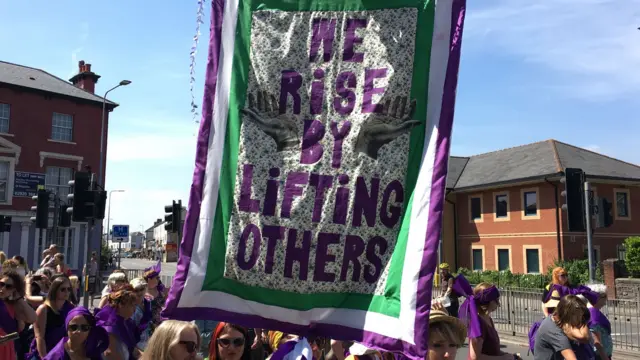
(520, 308)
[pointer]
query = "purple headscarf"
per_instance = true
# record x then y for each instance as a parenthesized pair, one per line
(299, 349)
(156, 269)
(585, 291)
(125, 329)
(469, 309)
(52, 335)
(97, 340)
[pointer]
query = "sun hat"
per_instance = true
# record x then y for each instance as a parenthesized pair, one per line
(436, 316)
(554, 300)
(444, 266)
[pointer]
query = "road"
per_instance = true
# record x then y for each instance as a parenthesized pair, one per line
(508, 348)
(168, 269)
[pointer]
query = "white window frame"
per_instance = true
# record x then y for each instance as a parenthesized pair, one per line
(495, 206)
(471, 219)
(504, 247)
(615, 204)
(525, 261)
(54, 126)
(7, 118)
(484, 260)
(11, 176)
(523, 202)
(47, 184)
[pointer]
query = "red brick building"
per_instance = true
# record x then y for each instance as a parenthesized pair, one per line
(504, 208)
(49, 128)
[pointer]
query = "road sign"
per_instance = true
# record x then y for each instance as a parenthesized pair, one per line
(120, 233)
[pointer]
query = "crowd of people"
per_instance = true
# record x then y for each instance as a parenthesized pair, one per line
(573, 325)
(40, 319)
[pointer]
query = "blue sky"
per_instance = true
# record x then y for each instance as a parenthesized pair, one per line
(567, 69)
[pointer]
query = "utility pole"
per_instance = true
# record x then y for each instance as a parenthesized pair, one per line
(588, 206)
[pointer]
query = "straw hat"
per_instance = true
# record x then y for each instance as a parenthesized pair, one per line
(436, 316)
(444, 266)
(554, 300)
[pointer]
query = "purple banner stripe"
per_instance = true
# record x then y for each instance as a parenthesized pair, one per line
(439, 179)
(195, 197)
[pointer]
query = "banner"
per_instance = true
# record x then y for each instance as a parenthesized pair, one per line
(317, 198)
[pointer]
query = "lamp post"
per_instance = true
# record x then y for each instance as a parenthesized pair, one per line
(104, 112)
(109, 221)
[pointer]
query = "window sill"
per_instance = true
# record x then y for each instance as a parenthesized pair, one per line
(7, 134)
(61, 142)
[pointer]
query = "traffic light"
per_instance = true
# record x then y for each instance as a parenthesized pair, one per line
(173, 216)
(573, 193)
(5, 223)
(100, 203)
(605, 218)
(42, 209)
(64, 217)
(82, 198)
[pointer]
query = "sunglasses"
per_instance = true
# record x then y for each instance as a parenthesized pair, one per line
(563, 275)
(65, 289)
(4, 285)
(81, 328)
(190, 346)
(237, 342)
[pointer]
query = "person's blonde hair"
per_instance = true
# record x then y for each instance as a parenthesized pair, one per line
(116, 277)
(75, 282)
(447, 331)
(482, 309)
(166, 336)
(138, 284)
(3, 257)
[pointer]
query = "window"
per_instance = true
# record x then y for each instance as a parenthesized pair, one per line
(532, 258)
(57, 180)
(622, 252)
(502, 206)
(503, 259)
(60, 242)
(622, 204)
(477, 258)
(62, 127)
(5, 115)
(476, 208)
(5, 168)
(530, 203)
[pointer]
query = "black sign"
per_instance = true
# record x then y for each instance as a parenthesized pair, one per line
(26, 184)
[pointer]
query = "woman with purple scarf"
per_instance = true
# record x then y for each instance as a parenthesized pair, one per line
(85, 340)
(157, 292)
(475, 312)
(115, 317)
(599, 325)
(49, 326)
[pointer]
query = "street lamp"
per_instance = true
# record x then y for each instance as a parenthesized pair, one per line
(104, 111)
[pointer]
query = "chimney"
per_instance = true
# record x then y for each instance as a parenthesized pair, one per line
(85, 79)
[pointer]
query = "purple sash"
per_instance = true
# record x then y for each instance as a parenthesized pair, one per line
(598, 318)
(124, 329)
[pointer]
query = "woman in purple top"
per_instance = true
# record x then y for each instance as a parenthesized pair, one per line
(84, 341)
(49, 325)
(475, 312)
(116, 319)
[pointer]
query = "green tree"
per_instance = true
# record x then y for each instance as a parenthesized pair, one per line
(632, 258)
(105, 255)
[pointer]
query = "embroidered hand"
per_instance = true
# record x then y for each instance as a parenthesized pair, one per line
(281, 128)
(380, 130)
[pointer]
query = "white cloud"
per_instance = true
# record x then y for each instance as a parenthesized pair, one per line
(594, 148)
(151, 147)
(593, 44)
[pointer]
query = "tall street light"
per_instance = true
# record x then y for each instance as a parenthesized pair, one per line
(109, 221)
(104, 112)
